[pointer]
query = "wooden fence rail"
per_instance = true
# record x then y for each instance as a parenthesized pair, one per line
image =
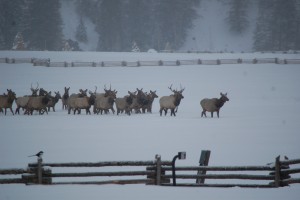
(158, 172)
(46, 62)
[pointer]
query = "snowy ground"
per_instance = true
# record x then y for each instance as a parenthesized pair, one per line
(260, 122)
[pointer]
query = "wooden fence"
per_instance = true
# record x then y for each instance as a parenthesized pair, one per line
(156, 172)
(48, 63)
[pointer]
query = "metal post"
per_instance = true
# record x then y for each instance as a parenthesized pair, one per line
(181, 156)
(173, 170)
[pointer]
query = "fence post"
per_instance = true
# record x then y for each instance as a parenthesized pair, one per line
(40, 170)
(158, 169)
(277, 172)
(204, 158)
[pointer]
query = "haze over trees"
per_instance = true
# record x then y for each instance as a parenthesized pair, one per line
(150, 23)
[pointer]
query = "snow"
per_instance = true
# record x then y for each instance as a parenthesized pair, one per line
(260, 122)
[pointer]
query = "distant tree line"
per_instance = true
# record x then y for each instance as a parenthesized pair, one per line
(157, 24)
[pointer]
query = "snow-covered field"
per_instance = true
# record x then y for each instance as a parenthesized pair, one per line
(260, 122)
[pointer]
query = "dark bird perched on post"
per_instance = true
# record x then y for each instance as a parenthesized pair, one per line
(39, 154)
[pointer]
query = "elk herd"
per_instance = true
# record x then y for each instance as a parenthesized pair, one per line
(137, 101)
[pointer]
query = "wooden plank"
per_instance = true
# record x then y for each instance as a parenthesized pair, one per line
(223, 176)
(13, 171)
(290, 171)
(221, 168)
(11, 181)
(100, 164)
(120, 182)
(290, 162)
(291, 181)
(221, 185)
(90, 174)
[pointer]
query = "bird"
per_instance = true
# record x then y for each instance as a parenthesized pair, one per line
(39, 154)
(286, 158)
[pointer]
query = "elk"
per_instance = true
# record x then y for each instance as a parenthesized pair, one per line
(139, 101)
(71, 100)
(65, 98)
(6, 101)
(53, 101)
(171, 102)
(123, 104)
(213, 105)
(38, 103)
(150, 98)
(84, 103)
(34, 91)
(105, 102)
(42, 92)
(22, 101)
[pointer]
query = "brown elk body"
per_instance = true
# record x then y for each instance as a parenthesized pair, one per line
(72, 99)
(38, 103)
(150, 99)
(171, 102)
(23, 101)
(213, 105)
(53, 101)
(123, 104)
(84, 103)
(105, 102)
(7, 100)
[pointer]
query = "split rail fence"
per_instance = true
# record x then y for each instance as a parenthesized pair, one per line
(156, 172)
(48, 63)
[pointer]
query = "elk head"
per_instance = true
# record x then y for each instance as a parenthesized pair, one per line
(34, 91)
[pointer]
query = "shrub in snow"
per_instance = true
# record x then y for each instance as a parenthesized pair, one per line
(152, 51)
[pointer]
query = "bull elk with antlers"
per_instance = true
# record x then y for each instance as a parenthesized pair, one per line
(22, 101)
(171, 102)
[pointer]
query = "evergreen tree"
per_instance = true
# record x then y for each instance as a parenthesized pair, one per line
(262, 35)
(277, 28)
(237, 16)
(109, 25)
(284, 27)
(46, 22)
(138, 23)
(10, 20)
(174, 18)
(135, 47)
(18, 42)
(81, 34)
